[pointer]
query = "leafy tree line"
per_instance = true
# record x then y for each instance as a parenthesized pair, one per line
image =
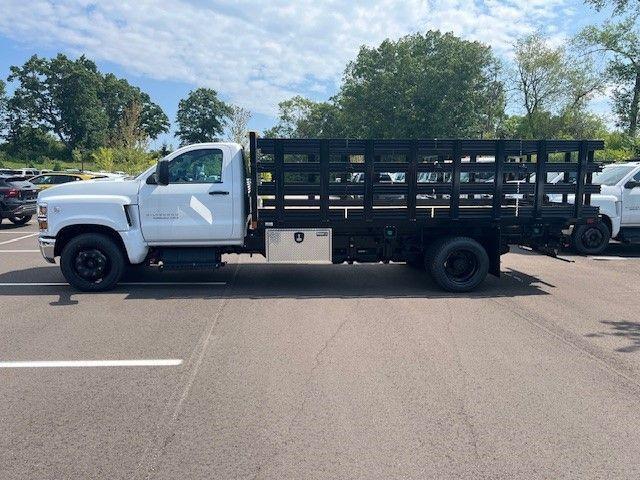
(437, 85)
(422, 85)
(65, 109)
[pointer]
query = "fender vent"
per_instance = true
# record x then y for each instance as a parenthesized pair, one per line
(126, 214)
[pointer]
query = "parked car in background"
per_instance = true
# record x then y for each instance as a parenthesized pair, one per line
(51, 179)
(17, 199)
(20, 172)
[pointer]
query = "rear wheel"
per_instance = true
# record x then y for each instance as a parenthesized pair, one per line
(20, 219)
(591, 239)
(92, 262)
(457, 264)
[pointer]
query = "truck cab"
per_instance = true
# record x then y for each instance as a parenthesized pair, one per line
(194, 197)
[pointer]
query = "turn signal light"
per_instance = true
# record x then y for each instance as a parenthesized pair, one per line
(43, 224)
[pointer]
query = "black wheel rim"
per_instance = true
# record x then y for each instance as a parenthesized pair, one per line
(91, 265)
(461, 265)
(592, 238)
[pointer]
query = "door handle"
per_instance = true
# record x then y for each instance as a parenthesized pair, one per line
(219, 192)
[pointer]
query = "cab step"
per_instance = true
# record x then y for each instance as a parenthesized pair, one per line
(187, 258)
(629, 234)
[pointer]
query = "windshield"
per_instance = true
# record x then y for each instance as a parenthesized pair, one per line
(612, 175)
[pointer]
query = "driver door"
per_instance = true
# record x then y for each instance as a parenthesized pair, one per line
(196, 207)
(631, 204)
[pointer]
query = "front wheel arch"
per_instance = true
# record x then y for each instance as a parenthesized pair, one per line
(68, 233)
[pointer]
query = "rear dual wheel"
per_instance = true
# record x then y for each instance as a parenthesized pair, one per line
(457, 264)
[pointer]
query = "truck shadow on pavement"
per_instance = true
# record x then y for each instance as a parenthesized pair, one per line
(263, 281)
(622, 250)
(622, 329)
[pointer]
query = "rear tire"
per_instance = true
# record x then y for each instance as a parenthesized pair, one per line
(92, 262)
(457, 264)
(592, 239)
(22, 220)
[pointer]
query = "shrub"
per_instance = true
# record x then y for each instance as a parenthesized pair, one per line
(104, 158)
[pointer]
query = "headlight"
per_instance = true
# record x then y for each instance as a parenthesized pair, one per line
(43, 223)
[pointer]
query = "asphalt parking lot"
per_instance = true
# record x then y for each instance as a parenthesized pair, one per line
(364, 371)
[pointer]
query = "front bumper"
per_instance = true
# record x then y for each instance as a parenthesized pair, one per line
(47, 248)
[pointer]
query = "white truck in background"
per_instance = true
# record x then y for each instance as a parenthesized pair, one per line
(619, 203)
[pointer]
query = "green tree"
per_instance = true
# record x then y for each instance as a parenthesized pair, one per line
(117, 95)
(201, 117)
(62, 96)
(129, 132)
(430, 85)
(621, 41)
(238, 120)
(104, 159)
(3, 107)
(300, 117)
(553, 90)
(619, 6)
(71, 100)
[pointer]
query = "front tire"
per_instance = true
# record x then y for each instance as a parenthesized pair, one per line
(591, 239)
(92, 262)
(457, 264)
(20, 220)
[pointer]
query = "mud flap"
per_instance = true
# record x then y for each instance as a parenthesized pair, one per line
(493, 246)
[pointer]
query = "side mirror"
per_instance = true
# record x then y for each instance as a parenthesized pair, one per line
(631, 185)
(162, 173)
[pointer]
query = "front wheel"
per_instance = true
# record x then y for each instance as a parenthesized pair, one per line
(591, 239)
(92, 262)
(457, 264)
(20, 219)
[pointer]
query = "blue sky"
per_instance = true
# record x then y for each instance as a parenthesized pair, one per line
(257, 53)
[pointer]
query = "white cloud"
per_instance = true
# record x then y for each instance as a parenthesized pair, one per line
(257, 53)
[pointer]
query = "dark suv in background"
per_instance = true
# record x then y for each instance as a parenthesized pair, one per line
(18, 199)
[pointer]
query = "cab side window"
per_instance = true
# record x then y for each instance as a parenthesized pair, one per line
(198, 166)
(636, 177)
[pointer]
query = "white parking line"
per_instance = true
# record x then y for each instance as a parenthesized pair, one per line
(18, 239)
(19, 251)
(129, 284)
(92, 363)
(614, 259)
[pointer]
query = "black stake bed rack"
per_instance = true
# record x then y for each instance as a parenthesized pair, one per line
(339, 182)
